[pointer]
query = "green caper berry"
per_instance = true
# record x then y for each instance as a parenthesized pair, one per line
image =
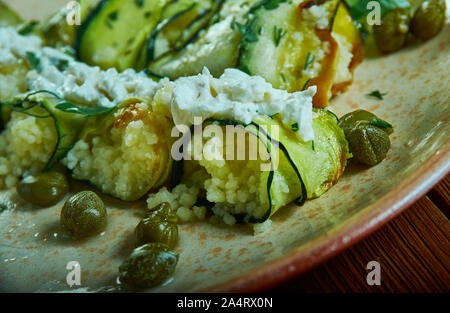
(156, 230)
(350, 120)
(164, 212)
(429, 19)
(43, 189)
(392, 33)
(369, 144)
(83, 214)
(148, 266)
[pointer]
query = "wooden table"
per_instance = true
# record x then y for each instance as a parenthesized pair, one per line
(413, 251)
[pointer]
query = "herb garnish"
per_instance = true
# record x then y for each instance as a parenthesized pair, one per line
(249, 31)
(309, 61)
(312, 143)
(306, 84)
(60, 64)
(27, 28)
(278, 33)
(295, 127)
(112, 17)
(380, 123)
(376, 94)
(139, 3)
(34, 61)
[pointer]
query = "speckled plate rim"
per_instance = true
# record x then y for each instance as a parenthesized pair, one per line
(346, 234)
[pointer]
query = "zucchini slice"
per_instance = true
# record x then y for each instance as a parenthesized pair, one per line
(8, 17)
(298, 170)
(279, 37)
(124, 153)
(181, 20)
(42, 105)
(56, 31)
(205, 42)
(115, 31)
(294, 46)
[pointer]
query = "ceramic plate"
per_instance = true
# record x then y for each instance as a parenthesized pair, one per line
(34, 255)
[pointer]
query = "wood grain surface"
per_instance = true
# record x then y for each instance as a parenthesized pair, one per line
(413, 252)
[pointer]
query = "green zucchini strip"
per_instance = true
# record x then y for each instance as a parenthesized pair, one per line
(182, 20)
(190, 34)
(281, 164)
(307, 168)
(115, 31)
(8, 17)
(67, 124)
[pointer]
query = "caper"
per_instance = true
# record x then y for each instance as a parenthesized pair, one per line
(367, 135)
(429, 19)
(369, 144)
(163, 211)
(148, 266)
(44, 189)
(83, 214)
(353, 119)
(156, 230)
(392, 33)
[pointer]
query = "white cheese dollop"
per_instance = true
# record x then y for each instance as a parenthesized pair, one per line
(75, 81)
(238, 96)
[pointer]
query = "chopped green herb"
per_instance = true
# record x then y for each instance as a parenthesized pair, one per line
(112, 17)
(3, 207)
(278, 33)
(139, 3)
(312, 143)
(380, 123)
(67, 50)
(306, 84)
(309, 61)
(147, 14)
(376, 94)
(295, 127)
(27, 28)
(86, 111)
(283, 78)
(34, 61)
(60, 64)
(236, 25)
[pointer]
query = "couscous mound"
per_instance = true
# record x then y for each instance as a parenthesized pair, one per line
(26, 145)
(126, 158)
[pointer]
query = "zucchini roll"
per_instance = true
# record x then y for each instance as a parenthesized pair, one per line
(37, 135)
(124, 153)
(248, 189)
(298, 44)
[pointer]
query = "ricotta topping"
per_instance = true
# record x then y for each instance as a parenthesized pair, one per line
(238, 96)
(74, 81)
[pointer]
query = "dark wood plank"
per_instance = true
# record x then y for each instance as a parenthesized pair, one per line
(413, 251)
(440, 195)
